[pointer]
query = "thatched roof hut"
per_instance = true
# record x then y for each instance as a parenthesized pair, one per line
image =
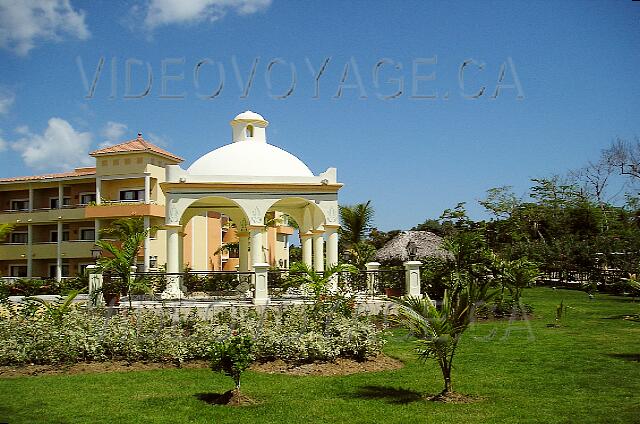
(428, 244)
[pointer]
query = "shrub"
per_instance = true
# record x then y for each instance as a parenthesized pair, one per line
(30, 335)
(232, 356)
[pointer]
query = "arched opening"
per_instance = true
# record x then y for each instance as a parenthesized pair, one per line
(210, 235)
(249, 131)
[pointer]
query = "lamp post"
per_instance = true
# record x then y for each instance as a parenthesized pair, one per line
(412, 250)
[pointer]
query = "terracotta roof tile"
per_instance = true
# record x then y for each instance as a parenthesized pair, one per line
(78, 172)
(137, 145)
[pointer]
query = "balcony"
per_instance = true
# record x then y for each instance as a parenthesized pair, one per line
(42, 215)
(118, 209)
(47, 250)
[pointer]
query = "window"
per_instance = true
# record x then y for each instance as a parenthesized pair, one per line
(20, 205)
(86, 198)
(249, 131)
(52, 270)
(18, 271)
(131, 195)
(87, 234)
(19, 237)
(54, 236)
(53, 202)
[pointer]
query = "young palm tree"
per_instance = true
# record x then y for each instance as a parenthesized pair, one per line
(123, 255)
(318, 282)
(438, 330)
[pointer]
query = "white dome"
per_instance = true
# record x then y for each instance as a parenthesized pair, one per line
(249, 116)
(250, 158)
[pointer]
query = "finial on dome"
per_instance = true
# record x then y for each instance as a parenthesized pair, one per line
(139, 136)
(249, 126)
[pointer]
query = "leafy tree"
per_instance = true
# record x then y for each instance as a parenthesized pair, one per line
(232, 357)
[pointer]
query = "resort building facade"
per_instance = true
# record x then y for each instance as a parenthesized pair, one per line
(57, 218)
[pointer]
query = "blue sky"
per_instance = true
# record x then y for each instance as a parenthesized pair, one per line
(570, 86)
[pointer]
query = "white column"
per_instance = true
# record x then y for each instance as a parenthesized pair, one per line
(412, 278)
(256, 246)
(59, 253)
(243, 241)
(181, 236)
(318, 250)
(332, 245)
(98, 190)
(174, 240)
(30, 249)
(147, 188)
(30, 199)
(173, 250)
(261, 293)
(96, 226)
(147, 244)
(60, 195)
(307, 248)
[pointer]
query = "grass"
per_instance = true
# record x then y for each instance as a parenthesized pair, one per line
(587, 370)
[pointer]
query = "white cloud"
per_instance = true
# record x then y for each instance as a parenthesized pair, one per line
(167, 12)
(3, 143)
(113, 132)
(60, 147)
(156, 139)
(24, 22)
(7, 97)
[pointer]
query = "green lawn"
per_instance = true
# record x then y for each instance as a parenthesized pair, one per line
(586, 371)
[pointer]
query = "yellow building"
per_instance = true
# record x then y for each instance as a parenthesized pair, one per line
(57, 217)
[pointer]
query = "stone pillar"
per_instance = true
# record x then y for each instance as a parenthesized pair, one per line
(147, 245)
(257, 256)
(307, 249)
(59, 252)
(98, 190)
(372, 276)
(332, 245)
(95, 284)
(318, 250)
(243, 251)
(261, 287)
(30, 250)
(147, 188)
(412, 278)
(173, 263)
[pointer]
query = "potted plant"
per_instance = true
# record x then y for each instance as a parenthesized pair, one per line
(112, 287)
(393, 287)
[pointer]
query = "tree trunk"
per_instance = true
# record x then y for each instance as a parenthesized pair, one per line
(446, 373)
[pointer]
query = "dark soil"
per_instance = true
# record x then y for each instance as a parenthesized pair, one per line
(453, 397)
(230, 398)
(91, 367)
(339, 367)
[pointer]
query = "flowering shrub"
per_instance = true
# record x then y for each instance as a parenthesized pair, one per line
(297, 333)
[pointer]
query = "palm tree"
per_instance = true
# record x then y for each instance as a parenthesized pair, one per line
(356, 222)
(438, 330)
(5, 229)
(124, 254)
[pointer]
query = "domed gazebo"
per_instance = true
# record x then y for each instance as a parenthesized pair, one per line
(245, 180)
